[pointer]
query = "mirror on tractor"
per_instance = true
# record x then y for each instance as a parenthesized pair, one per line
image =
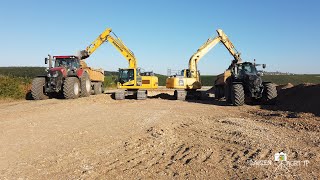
(46, 60)
(264, 66)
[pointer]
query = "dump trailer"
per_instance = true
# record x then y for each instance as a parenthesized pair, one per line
(67, 76)
(96, 77)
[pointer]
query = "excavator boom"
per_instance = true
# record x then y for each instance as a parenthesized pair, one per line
(190, 79)
(116, 42)
(230, 47)
(207, 46)
(131, 81)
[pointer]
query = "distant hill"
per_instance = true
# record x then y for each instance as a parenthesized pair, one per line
(111, 73)
(29, 72)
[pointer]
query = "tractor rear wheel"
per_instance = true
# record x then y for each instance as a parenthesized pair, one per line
(269, 94)
(71, 88)
(37, 89)
(237, 95)
(85, 85)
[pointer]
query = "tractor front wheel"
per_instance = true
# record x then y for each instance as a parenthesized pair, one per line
(237, 95)
(71, 88)
(37, 89)
(269, 94)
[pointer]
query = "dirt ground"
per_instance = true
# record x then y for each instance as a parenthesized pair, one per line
(158, 138)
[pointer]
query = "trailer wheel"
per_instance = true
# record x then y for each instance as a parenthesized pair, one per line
(37, 89)
(219, 92)
(228, 90)
(269, 94)
(237, 95)
(97, 88)
(71, 88)
(85, 85)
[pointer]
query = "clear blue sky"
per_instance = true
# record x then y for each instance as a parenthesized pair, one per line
(164, 34)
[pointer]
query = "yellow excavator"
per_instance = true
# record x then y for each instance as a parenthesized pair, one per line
(187, 83)
(131, 80)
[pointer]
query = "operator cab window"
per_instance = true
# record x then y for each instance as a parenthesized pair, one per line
(247, 68)
(75, 63)
(126, 75)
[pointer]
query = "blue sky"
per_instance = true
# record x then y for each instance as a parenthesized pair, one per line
(164, 34)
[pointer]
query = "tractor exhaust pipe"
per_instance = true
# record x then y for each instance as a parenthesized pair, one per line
(50, 61)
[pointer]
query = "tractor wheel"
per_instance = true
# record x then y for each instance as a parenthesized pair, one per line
(119, 95)
(71, 88)
(97, 88)
(180, 95)
(85, 85)
(237, 95)
(269, 94)
(37, 89)
(141, 94)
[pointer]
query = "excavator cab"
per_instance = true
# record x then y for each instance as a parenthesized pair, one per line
(129, 77)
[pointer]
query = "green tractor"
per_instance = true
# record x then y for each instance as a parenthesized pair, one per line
(242, 82)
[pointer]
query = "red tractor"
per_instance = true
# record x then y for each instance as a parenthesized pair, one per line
(69, 77)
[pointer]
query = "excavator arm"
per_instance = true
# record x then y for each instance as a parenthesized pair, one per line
(230, 47)
(207, 46)
(203, 50)
(115, 42)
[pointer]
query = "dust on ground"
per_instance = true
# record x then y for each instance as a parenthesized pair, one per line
(98, 137)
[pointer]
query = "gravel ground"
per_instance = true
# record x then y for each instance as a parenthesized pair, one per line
(98, 137)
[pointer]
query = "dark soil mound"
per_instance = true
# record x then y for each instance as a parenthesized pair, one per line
(300, 98)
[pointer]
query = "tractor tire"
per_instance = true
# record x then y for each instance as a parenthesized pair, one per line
(141, 94)
(85, 85)
(237, 95)
(71, 88)
(37, 89)
(180, 95)
(269, 94)
(119, 95)
(97, 88)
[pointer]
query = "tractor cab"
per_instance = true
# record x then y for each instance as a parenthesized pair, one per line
(246, 68)
(68, 62)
